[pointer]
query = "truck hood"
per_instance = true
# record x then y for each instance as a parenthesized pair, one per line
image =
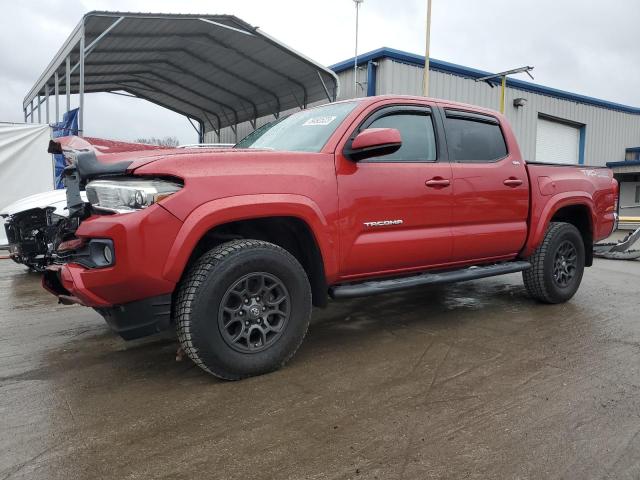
(199, 154)
(102, 146)
(111, 151)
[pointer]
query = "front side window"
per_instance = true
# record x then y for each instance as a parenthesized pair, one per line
(473, 140)
(305, 131)
(418, 137)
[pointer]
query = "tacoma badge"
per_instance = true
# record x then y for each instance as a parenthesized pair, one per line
(383, 223)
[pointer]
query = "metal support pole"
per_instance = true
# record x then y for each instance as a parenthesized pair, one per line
(503, 88)
(355, 57)
(46, 101)
(25, 114)
(93, 44)
(425, 75)
(32, 110)
(67, 82)
(81, 88)
(39, 112)
(200, 132)
(56, 90)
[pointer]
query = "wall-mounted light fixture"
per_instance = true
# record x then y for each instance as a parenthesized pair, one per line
(519, 102)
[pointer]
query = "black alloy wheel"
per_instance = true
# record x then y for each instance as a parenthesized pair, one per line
(565, 264)
(254, 312)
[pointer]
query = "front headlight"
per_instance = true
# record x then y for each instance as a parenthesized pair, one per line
(128, 195)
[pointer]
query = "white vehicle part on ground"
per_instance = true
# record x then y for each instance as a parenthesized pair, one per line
(53, 198)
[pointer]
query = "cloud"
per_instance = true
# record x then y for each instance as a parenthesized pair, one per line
(588, 47)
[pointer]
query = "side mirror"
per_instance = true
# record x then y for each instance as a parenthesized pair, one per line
(374, 142)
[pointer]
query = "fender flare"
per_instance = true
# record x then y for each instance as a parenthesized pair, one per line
(540, 223)
(246, 207)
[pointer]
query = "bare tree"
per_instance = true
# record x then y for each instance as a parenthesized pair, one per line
(162, 142)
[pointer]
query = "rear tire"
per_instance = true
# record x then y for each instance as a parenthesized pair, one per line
(557, 265)
(243, 309)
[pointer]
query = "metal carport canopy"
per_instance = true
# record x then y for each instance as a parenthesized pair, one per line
(215, 69)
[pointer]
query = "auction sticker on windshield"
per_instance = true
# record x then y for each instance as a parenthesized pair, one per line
(319, 121)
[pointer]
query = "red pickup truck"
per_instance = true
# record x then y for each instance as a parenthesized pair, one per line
(353, 198)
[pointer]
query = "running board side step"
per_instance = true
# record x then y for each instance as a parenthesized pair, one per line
(374, 287)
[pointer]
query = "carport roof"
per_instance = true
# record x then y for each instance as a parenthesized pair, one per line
(215, 69)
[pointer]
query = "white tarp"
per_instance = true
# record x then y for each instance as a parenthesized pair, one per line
(25, 166)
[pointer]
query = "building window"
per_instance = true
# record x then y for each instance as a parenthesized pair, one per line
(637, 195)
(632, 154)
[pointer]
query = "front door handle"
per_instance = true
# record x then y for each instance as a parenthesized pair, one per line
(512, 182)
(437, 182)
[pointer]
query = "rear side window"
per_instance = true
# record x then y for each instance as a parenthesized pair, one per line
(473, 139)
(418, 137)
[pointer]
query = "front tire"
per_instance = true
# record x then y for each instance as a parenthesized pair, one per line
(243, 309)
(557, 265)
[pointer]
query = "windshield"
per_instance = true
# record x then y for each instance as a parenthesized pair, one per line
(249, 140)
(305, 131)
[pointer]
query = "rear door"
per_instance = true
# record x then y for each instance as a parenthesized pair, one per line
(490, 188)
(396, 209)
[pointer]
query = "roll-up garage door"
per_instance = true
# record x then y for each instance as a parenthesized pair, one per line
(557, 142)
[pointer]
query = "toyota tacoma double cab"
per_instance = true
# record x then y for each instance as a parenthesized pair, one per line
(232, 247)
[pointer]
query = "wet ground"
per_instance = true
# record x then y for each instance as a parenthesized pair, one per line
(470, 381)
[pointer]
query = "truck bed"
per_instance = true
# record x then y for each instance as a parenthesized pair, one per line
(553, 186)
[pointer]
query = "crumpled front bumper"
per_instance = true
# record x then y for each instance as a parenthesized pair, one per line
(132, 294)
(131, 320)
(65, 282)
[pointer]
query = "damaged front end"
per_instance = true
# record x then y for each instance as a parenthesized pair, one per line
(107, 249)
(36, 225)
(82, 166)
(31, 235)
(66, 248)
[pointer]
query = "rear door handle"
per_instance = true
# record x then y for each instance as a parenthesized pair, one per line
(437, 182)
(512, 182)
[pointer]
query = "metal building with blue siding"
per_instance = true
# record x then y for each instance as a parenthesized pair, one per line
(589, 130)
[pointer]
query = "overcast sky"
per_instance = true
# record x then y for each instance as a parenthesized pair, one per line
(584, 46)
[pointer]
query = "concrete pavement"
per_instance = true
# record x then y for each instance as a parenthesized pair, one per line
(467, 381)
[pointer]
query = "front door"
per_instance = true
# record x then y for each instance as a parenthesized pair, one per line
(395, 209)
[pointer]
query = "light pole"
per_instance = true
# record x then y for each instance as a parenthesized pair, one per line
(355, 57)
(425, 75)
